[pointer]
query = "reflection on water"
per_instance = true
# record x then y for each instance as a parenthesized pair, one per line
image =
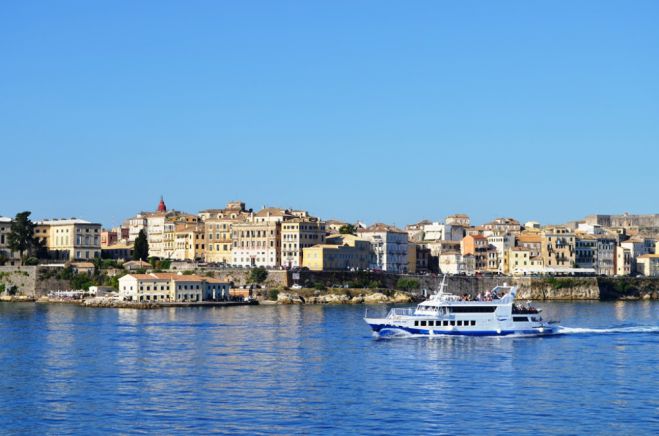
(317, 369)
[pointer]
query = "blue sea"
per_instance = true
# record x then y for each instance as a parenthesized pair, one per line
(318, 370)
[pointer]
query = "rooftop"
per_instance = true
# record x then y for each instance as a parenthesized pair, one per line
(63, 222)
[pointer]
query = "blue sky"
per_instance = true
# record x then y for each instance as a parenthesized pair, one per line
(371, 110)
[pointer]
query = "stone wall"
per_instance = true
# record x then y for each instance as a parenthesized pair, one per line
(23, 278)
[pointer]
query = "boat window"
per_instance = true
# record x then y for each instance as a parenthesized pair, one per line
(459, 323)
(473, 323)
(445, 323)
(453, 323)
(416, 323)
(472, 309)
(423, 323)
(520, 319)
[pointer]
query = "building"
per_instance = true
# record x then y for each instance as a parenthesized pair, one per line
(558, 248)
(501, 226)
(415, 232)
(334, 226)
(136, 224)
(458, 220)
(636, 247)
(118, 251)
(453, 262)
(5, 230)
(388, 247)
(338, 253)
(478, 246)
(257, 242)
(189, 242)
(166, 287)
(517, 261)
(530, 240)
(298, 234)
(219, 230)
(69, 239)
(648, 265)
(501, 242)
(623, 261)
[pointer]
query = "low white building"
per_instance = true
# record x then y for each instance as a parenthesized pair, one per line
(167, 287)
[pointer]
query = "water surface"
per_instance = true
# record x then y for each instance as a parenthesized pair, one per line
(317, 369)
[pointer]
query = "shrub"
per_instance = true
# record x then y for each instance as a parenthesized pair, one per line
(407, 284)
(32, 261)
(273, 294)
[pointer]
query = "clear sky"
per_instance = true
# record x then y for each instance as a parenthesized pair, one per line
(371, 110)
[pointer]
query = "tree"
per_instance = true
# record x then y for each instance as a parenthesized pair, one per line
(347, 229)
(405, 284)
(21, 236)
(258, 275)
(141, 247)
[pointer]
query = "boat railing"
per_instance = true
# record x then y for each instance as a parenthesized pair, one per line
(400, 311)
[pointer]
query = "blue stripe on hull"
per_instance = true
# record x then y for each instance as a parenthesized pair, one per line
(380, 327)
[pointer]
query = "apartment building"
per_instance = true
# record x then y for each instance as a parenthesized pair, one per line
(257, 242)
(298, 234)
(69, 239)
(388, 247)
(558, 247)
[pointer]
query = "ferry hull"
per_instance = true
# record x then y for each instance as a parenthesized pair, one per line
(394, 330)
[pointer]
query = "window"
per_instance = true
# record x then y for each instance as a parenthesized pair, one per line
(473, 323)
(423, 323)
(520, 319)
(445, 323)
(459, 323)
(453, 323)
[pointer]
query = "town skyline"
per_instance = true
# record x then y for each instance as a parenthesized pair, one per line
(36, 216)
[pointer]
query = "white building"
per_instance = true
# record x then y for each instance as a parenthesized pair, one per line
(455, 263)
(388, 247)
(165, 287)
(501, 243)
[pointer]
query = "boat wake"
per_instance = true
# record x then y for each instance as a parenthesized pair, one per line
(580, 330)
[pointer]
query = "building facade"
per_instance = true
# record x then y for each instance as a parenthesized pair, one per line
(69, 239)
(388, 247)
(298, 234)
(164, 287)
(558, 248)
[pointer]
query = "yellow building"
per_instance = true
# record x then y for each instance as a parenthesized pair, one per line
(648, 265)
(558, 247)
(69, 239)
(219, 230)
(339, 253)
(517, 260)
(189, 242)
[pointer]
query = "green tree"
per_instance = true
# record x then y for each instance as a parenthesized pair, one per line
(21, 235)
(407, 284)
(141, 247)
(258, 275)
(347, 229)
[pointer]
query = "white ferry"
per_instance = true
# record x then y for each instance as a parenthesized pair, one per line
(492, 314)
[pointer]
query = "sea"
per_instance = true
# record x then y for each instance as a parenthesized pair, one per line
(315, 370)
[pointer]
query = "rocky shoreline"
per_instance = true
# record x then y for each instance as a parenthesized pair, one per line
(345, 298)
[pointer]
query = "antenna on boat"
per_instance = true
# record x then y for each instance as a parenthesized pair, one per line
(442, 285)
